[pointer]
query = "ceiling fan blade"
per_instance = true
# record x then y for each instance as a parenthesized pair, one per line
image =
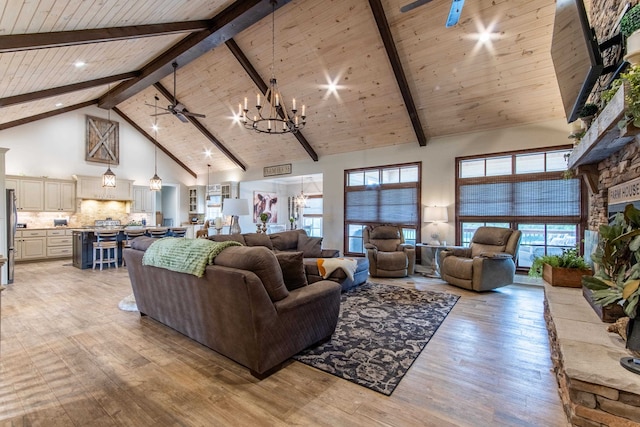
(182, 117)
(411, 6)
(454, 13)
(187, 113)
(160, 114)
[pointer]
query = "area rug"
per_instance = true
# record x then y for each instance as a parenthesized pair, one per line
(128, 303)
(381, 331)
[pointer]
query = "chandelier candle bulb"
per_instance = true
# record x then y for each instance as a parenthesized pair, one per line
(293, 105)
(258, 101)
(303, 108)
(277, 100)
(245, 103)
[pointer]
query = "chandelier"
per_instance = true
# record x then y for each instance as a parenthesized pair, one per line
(301, 199)
(109, 178)
(155, 183)
(272, 117)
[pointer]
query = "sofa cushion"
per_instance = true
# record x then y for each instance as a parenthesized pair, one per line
(286, 240)
(293, 272)
(224, 237)
(142, 243)
(311, 247)
(258, 239)
(260, 261)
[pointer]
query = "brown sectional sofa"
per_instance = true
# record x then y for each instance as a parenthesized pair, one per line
(311, 248)
(245, 307)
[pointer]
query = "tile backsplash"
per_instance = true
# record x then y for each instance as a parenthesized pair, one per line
(88, 213)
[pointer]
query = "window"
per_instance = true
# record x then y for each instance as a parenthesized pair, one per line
(312, 216)
(524, 190)
(381, 195)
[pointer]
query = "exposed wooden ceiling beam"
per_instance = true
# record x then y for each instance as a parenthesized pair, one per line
(156, 143)
(262, 85)
(19, 42)
(396, 64)
(48, 114)
(196, 123)
(61, 90)
(231, 21)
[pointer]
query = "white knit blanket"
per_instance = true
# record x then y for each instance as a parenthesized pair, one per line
(326, 266)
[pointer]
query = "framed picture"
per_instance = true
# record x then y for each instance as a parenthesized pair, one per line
(102, 142)
(264, 202)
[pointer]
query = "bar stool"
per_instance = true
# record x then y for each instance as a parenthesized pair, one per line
(129, 235)
(158, 233)
(106, 242)
(178, 231)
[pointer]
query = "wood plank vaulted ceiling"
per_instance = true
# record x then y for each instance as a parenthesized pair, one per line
(447, 83)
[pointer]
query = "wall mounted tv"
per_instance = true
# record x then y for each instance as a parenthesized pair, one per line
(576, 56)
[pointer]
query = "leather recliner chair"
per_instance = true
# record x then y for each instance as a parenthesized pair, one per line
(388, 254)
(488, 262)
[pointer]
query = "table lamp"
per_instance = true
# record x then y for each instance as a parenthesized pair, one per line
(235, 208)
(435, 214)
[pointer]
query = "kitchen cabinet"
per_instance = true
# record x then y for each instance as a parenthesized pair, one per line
(59, 243)
(143, 199)
(31, 244)
(29, 192)
(196, 199)
(90, 187)
(59, 196)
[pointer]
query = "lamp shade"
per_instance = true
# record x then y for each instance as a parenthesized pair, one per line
(435, 214)
(235, 207)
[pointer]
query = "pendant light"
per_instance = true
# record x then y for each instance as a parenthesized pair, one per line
(109, 178)
(155, 183)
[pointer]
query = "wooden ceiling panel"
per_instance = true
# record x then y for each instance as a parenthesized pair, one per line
(39, 16)
(20, 111)
(33, 70)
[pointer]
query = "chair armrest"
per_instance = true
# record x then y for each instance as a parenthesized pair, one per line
(370, 246)
(403, 246)
(496, 255)
(459, 251)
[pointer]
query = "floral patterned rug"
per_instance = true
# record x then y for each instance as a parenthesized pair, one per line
(381, 331)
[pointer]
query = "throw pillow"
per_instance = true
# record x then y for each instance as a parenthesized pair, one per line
(255, 239)
(292, 266)
(311, 247)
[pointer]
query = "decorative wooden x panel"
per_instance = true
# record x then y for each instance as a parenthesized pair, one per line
(103, 143)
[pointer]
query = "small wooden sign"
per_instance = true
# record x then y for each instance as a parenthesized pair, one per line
(103, 143)
(277, 170)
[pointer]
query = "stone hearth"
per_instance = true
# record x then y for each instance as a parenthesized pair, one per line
(595, 389)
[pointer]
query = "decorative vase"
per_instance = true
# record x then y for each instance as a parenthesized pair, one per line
(258, 228)
(264, 227)
(633, 48)
(587, 121)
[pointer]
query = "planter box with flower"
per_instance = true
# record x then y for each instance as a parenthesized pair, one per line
(565, 270)
(617, 278)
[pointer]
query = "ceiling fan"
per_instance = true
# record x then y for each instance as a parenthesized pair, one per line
(454, 12)
(176, 108)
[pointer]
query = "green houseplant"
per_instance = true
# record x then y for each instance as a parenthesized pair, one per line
(617, 279)
(630, 22)
(631, 78)
(565, 269)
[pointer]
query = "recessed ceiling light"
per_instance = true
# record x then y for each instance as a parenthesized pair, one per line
(59, 104)
(79, 64)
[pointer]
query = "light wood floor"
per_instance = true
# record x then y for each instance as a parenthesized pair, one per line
(69, 356)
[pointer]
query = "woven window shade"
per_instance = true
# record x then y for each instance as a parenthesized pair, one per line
(382, 205)
(525, 200)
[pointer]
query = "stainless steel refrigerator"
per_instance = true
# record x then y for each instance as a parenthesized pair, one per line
(12, 219)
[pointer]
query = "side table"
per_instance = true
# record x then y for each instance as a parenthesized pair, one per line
(435, 252)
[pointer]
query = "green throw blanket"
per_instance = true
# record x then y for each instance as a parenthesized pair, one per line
(184, 255)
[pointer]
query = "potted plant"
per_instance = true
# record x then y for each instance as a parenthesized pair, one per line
(566, 269)
(587, 113)
(629, 25)
(617, 279)
(631, 79)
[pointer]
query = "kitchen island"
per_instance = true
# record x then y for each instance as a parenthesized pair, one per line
(83, 239)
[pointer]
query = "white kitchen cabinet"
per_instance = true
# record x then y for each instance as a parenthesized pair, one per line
(196, 199)
(29, 193)
(59, 196)
(31, 244)
(143, 199)
(59, 243)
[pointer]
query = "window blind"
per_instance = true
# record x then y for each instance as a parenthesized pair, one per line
(380, 204)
